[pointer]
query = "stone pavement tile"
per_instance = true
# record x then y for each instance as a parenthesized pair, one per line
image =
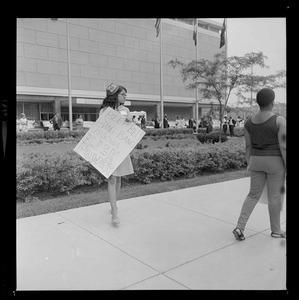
(258, 263)
(159, 234)
(55, 254)
(158, 282)
(222, 201)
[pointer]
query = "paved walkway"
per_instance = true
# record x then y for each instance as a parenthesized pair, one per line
(174, 240)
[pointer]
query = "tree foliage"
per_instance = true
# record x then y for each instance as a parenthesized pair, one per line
(218, 77)
(252, 83)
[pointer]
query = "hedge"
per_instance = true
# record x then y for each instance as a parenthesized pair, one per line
(167, 131)
(39, 137)
(56, 173)
(212, 137)
(51, 136)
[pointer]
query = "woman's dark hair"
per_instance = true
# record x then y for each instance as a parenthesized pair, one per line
(264, 97)
(112, 100)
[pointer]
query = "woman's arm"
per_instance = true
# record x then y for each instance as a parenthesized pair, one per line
(282, 136)
(248, 145)
(128, 118)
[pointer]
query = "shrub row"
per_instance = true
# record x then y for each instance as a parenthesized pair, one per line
(56, 173)
(49, 135)
(39, 137)
(239, 131)
(212, 137)
(167, 131)
(173, 164)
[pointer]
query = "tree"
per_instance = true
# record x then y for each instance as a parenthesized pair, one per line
(215, 78)
(218, 77)
(253, 83)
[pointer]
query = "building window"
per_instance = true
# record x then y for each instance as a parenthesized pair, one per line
(88, 113)
(46, 116)
(47, 111)
(30, 109)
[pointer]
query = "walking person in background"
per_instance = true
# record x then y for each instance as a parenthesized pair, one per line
(157, 123)
(57, 121)
(265, 136)
(191, 123)
(80, 120)
(143, 125)
(231, 126)
(165, 120)
(209, 124)
(224, 126)
(115, 98)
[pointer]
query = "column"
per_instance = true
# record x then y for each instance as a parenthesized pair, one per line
(57, 106)
(199, 113)
(158, 111)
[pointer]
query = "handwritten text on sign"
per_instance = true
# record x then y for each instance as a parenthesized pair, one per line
(109, 141)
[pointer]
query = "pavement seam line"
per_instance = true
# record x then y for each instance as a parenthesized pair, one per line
(154, 277)
(208, 253)
(196, 212)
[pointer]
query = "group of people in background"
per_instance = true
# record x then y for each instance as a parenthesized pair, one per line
(230, 123)
(56, 121)
(157, 122)
(206, 122)
(140, 121)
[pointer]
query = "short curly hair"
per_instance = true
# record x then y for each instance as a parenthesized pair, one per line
(264, 97)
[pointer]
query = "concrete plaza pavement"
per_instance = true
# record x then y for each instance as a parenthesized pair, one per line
(177, 240)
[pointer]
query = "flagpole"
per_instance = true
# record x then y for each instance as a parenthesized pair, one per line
(196, 91)
(226, 43)
(69, 75)
(161, 77)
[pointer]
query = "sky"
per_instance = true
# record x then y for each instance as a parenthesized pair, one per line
(245, 35)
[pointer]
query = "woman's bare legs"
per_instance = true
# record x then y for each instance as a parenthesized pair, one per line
(118, 186)
(113, 191)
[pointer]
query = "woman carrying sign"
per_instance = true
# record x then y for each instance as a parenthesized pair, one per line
(115, 98)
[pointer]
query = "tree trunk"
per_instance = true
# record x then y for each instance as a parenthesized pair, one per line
(220, 119)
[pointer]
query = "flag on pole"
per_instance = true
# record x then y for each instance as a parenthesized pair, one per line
(195, 32)
(222, 34)
(157, 26)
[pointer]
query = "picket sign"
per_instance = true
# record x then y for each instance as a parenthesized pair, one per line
(109, 141)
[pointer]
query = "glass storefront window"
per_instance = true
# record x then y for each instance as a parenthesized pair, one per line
(88, 113)
(46, 116)
(30, 109)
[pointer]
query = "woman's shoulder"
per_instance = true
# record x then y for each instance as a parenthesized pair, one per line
(280, 120)
(123, 108)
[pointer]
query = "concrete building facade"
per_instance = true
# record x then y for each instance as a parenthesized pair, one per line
(122, 51)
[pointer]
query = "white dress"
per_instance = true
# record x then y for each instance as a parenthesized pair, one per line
(126, 167)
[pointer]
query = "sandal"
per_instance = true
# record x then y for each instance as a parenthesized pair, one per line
(115, 220)
(279, 235)
(238, 234)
